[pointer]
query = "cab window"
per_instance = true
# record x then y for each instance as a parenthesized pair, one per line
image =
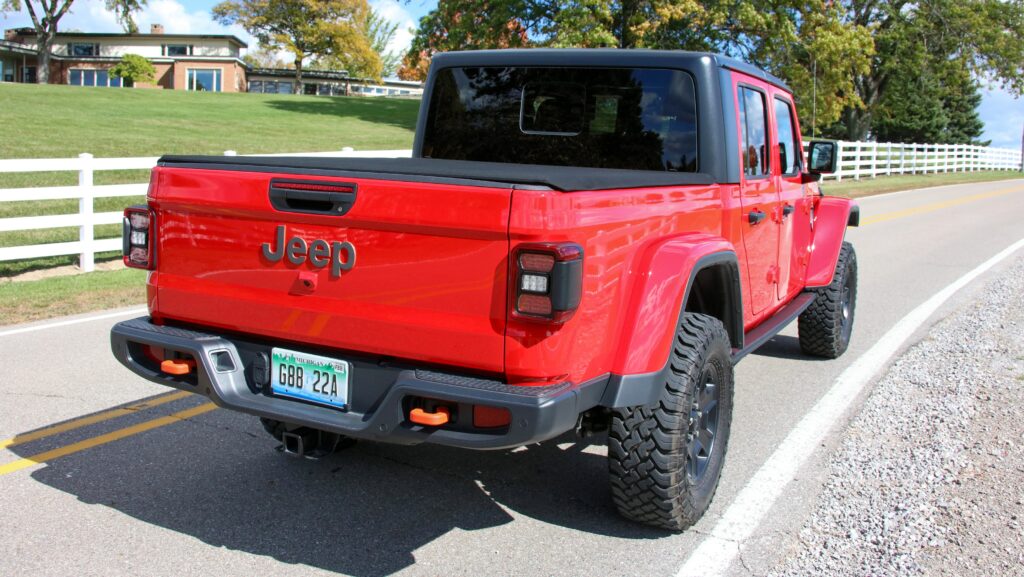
(754, 128)
(789, 154)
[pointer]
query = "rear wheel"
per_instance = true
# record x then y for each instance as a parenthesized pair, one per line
(825, 327)
(666, 459)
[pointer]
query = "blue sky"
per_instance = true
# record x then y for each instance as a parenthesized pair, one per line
(1002, 114)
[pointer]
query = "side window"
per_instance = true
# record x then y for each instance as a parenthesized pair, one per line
(789, 154)
(753, 124)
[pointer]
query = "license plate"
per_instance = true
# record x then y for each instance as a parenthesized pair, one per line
(309, 377)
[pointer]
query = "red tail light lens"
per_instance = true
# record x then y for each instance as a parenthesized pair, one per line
(548, 281)
(137, 237)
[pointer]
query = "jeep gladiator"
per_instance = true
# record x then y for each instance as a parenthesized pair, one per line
(583, 240)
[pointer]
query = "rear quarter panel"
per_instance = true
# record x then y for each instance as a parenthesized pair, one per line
(618, 231)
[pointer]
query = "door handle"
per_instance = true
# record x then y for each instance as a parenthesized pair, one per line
(755, 216)
(787, 210)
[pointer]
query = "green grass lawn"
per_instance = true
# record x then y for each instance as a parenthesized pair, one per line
(57, 296)
(51, 121)
(882, 184)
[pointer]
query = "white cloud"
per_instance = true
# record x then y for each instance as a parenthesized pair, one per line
(1003, 115)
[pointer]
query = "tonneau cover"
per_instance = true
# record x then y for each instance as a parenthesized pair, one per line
(563, 178)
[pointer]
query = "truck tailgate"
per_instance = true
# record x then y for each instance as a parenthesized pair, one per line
(427, 281)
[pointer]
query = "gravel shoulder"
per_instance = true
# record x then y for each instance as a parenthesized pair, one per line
(929, 477)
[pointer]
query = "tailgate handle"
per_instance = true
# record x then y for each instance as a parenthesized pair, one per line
(311, 197)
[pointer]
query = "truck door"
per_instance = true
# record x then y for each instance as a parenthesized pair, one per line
(793, 215)
(760, 197)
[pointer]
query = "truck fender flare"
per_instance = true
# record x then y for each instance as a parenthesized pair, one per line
(832, 216)
(664, 275)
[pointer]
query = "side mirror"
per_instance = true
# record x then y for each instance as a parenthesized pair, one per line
(822, 156)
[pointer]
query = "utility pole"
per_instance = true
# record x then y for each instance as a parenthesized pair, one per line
(1022, 148)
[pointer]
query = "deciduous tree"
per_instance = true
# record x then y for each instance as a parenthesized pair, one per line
(134, 68)
(46, 16)
(306, 28)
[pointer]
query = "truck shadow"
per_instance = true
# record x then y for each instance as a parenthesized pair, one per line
(784, 347)
(400, 113)
(364, 511)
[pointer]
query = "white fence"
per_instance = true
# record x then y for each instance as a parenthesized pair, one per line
(85, 219)
(856, 160)
(871, 159)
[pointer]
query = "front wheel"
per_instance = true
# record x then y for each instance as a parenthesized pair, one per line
(666, 459)
(825, 327)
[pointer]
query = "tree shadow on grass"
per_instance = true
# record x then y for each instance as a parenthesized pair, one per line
(399, 113)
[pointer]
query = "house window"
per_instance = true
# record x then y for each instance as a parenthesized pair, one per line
(82, 49)
(204, 80)
(177, 50)
(90, 77)
(309, 88)
(28, 74)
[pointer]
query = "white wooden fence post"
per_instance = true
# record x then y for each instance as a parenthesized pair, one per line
(87, 259)
(839, 161)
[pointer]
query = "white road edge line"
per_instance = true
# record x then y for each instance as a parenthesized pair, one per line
(741, 518)
(65, 323)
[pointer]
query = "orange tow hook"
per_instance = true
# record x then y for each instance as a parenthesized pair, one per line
(435, 419)
(178, 366)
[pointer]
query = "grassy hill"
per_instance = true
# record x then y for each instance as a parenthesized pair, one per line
(52, 121)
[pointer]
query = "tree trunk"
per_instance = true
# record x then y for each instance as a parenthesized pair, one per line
(43, 57)
(298, 75)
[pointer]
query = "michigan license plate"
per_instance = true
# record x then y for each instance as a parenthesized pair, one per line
(309, 377)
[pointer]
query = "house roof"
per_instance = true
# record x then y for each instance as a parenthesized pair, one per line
(229, 37)
(306, 73)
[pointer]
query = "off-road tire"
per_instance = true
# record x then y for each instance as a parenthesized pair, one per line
(825, 327)
(649, 447)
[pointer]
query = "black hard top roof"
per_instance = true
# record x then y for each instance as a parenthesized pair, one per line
(603, 57)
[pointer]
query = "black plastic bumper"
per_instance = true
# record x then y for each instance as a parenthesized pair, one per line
(228, 371)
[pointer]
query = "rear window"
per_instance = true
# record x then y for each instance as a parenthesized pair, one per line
(641, 119)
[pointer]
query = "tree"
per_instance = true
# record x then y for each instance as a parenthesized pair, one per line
(380, 32)
(306, 28)
(46, 15)
(134, 68)
(982, 37)
(791, 38)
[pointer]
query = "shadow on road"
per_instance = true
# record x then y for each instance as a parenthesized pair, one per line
(364, 511)
(785, 347)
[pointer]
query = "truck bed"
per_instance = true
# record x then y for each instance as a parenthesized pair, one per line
(561, 178)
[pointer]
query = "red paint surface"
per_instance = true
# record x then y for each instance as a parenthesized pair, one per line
(430, 283)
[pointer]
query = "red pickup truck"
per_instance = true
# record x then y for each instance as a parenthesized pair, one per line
(582, 240)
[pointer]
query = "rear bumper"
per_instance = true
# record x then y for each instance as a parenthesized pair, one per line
(234, 373)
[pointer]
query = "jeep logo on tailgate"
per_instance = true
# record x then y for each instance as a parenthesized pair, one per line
(319, 252)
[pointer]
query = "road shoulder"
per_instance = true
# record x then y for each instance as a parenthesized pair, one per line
(926, 479)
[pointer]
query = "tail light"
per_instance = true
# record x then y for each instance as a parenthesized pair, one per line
(137, 242)
(548, 281)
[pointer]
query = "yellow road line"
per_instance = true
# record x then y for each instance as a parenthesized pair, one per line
(938, 205)
(104, 439)
(93, 419)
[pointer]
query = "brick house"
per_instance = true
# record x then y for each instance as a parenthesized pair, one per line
(210, 62)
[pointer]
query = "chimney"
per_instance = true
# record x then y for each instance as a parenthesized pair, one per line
(156, 28)
(11, 35)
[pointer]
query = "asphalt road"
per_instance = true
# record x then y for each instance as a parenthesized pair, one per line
(170, 488)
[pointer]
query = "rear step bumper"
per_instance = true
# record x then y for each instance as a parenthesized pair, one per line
(227, 371)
